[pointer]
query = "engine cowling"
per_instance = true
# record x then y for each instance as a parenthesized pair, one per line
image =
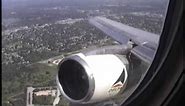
(92, 78)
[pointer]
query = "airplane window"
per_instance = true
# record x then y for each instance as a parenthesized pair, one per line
(99, 50)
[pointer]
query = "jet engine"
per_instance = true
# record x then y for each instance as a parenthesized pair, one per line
(91, 78)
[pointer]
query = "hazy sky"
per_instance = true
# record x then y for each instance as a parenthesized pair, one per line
(14, 3)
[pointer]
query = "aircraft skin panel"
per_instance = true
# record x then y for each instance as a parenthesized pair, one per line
(115, 34)
(146, 42)
(120, 32)
(144, 53)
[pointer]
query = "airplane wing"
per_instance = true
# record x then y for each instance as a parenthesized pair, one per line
(146, 42)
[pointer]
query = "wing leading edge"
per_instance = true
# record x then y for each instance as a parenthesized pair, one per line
(146, 42)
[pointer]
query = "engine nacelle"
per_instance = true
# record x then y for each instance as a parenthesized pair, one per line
(92, 78)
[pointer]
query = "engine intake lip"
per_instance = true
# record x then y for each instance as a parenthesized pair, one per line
(83, 69)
